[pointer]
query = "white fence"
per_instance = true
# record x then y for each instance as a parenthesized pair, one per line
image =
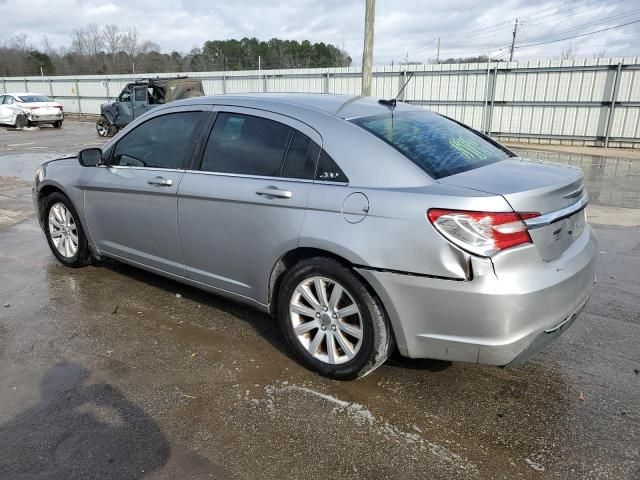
(586, 102)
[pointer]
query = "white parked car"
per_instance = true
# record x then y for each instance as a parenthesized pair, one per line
(25, 109)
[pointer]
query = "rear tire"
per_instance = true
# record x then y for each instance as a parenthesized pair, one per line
(343, 346)
(64, 232)
(57, 124)
(21, 121)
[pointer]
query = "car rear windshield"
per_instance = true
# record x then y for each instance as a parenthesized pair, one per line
(439, 146)
(34, 98)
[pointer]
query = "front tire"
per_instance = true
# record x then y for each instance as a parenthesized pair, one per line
(331, 321)
(104, 128)
(64, 232)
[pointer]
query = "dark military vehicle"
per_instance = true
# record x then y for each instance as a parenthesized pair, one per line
(138, 97)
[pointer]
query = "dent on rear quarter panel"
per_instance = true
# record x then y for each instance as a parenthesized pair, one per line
(395, 235)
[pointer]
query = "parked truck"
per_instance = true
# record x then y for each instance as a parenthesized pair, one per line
(140, 96)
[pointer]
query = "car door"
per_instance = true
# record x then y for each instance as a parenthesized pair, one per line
(7, 110)
(140, 100)
(130, 202)
(124, 107)
(243, 206)
(3, 109)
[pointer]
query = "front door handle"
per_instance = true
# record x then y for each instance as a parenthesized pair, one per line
(160, 181)
(272, 191)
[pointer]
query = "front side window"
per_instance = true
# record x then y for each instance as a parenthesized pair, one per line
(140, 94)
(162, 142)
(434, 143)
(248, 145)
(8, 100)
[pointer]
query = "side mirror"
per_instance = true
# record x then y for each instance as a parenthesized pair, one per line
(90, 157)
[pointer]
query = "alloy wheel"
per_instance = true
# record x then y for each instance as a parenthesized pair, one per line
(326, 320)
(103, 128)
(63, 230)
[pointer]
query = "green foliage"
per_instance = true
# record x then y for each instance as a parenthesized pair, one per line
(37, 60)
(111, 50)
(251, 54)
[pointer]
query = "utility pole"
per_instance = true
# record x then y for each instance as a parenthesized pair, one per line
(438, 54)
(513, 41)
(367, 52)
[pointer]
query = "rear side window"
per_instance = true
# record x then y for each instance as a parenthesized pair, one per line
(301, 157)
(162, 142)
(248, 145)
(436, 144)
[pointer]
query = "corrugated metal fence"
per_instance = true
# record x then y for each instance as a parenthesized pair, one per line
(585, 102)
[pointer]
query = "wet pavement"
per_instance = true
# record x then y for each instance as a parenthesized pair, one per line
(111, 372)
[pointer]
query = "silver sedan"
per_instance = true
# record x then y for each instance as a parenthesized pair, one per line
(363, 226)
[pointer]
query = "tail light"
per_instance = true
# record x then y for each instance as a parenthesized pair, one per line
(481, 233)
(60, 107)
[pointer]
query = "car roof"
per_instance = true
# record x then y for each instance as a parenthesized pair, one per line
(23, 94)
(343, 106)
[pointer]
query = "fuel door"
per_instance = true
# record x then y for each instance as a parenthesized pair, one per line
(355, 207)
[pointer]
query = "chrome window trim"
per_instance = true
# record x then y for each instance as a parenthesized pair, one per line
(131, 167)
(557, 215)
(257, 177)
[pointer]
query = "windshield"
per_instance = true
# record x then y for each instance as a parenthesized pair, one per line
(439, 146)
(34, 98)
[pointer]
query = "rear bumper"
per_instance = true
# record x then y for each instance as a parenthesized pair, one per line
(45, 118)
(513, 306)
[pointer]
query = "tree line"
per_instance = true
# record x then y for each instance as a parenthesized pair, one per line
(110, 49)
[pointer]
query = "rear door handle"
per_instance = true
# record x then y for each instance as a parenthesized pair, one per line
(272, 191)
(160, 181)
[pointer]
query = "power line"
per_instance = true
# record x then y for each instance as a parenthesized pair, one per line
(579, 27)
(577, 36)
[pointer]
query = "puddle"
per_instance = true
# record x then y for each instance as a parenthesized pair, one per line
(611, 182)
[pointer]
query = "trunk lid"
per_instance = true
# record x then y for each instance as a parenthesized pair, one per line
(42, 108)
(529, 186)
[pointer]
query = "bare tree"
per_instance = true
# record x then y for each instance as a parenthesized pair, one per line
(131, 45)
(113, 43)
(568, 53)
(20, 42)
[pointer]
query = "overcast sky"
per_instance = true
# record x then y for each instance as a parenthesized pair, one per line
(404, 28)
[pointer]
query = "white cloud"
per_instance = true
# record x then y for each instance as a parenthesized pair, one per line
(403, 27)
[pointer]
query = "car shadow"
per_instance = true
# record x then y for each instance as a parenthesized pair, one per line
(79, 431)
(264, 324)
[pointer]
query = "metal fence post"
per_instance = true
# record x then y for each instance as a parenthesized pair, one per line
(612, 105)
(78, 100)
(106, 84)
(224, 84)
(26, 87)
(51, 89)
(4, 85)
(265, 87)
(492, 97)
(325, 86)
